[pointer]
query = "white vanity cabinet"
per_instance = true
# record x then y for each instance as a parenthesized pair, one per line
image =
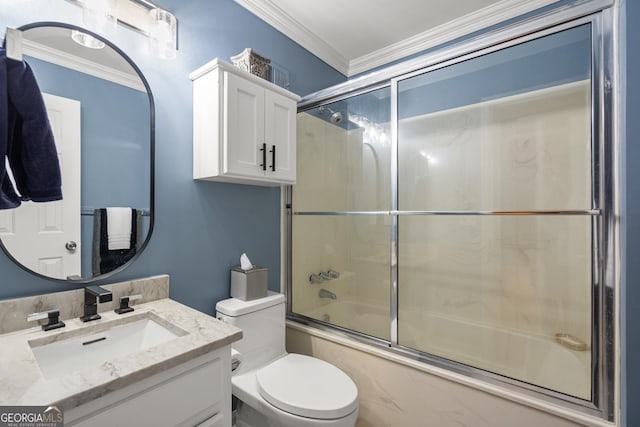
(244, 127)
(194, 393)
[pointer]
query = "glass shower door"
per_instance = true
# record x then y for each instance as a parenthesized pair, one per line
(340, 224)
(495, 212)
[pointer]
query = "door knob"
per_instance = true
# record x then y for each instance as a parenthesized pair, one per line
(71, 246)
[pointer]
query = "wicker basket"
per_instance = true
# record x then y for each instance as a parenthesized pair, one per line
(250, 61)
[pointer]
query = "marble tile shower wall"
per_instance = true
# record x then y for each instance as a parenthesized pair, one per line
(530, 274)
(521, 273)
(324, 244)
(339, 176)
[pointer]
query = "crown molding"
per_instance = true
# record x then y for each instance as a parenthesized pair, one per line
(273, 15)
(491, 15)
(82, 65)
(467, 24)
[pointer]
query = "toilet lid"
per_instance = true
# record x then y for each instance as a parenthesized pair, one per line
(308, 387)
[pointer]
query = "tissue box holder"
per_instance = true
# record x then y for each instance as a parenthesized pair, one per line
(250, 284)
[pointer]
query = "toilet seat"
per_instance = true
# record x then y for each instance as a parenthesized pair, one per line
(307, 387)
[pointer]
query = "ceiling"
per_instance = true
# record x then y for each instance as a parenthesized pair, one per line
(354, 36)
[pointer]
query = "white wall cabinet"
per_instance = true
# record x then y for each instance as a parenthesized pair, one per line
(244, 127)
(195, 393)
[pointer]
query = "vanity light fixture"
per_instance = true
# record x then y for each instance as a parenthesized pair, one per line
(98, 16)
(162, 33)
(142, 16)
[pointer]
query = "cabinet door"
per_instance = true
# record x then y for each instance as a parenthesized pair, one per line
(182, 396)
(216, 421)
(280, 135)
(243, 128)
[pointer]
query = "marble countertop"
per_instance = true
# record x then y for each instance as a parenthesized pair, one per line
(23, 383)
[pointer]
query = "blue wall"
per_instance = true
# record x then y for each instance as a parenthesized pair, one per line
(499, 74)
(201, 228)
(506, 72)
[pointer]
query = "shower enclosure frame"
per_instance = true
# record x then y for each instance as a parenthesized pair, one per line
(600, 15)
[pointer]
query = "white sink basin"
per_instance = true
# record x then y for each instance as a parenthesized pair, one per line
(96, 344)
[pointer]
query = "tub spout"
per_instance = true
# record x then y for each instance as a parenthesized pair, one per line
(326, 294)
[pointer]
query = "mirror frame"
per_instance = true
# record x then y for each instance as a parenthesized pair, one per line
(152, 139)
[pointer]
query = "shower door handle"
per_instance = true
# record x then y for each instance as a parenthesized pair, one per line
(273, 158)
(264, 156)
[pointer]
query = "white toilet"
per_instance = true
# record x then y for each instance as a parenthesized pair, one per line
(277, 389)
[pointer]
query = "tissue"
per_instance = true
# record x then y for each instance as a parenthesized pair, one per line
(248, 281)
(245, 263)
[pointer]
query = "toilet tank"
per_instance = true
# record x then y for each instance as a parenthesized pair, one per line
(263, 327)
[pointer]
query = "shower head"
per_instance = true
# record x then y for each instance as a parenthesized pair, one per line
(336, 116)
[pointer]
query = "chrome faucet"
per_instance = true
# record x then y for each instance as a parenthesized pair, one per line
(315, 278)
(333, 274)
(92, 296)
(326, 294)
(325, 276)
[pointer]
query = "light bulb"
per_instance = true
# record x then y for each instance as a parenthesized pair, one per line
(163, 33)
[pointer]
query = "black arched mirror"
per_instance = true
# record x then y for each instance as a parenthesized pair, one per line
(101, 111)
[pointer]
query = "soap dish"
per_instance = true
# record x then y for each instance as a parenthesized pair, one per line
(571, 342)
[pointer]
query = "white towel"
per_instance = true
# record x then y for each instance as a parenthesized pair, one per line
(119, 228)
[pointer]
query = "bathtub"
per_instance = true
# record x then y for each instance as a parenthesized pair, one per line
(533, 359)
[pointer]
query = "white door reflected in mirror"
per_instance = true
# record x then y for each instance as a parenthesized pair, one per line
(37, 234)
